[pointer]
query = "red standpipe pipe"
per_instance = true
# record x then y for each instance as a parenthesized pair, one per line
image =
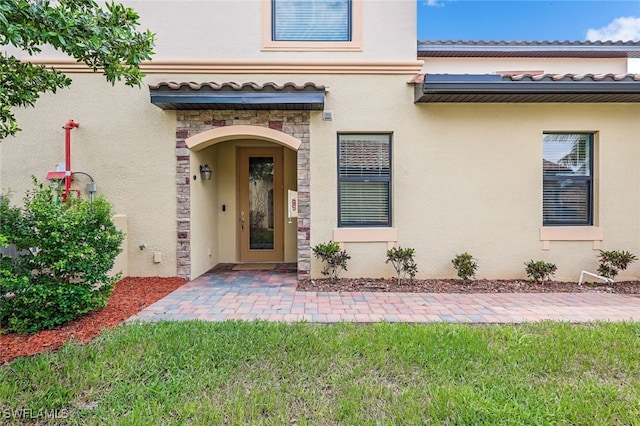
(67, 156)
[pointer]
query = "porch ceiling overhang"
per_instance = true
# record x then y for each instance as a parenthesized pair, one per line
(245, 96)
(554, 88)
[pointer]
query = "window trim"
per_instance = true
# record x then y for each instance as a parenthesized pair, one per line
(268, 44)
(590, 179)
(389, 222)
(595, 234)
(367, 235)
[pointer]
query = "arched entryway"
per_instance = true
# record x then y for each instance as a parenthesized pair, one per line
(238, 132)
(211, 229)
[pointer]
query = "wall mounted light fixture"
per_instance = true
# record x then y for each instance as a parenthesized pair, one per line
(205, 172)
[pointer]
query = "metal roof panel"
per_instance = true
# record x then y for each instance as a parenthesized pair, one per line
(565, 88)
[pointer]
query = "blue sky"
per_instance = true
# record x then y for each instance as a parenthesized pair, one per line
(518, 20)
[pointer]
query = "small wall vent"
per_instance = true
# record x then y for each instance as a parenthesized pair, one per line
(327, 115)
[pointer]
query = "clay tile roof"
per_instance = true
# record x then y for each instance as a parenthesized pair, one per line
(172, 95)
(556, 48)
(573, 77)
(233, 86)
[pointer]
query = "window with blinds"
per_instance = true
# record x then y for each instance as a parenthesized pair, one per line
(311, 20)
(567, 169)
(364, 180)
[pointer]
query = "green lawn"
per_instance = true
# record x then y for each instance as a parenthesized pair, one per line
(280, 374)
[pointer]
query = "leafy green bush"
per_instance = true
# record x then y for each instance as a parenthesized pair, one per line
(402, 261)
(334, 257)
(613, 261)
(466, 265)
(70, 246)
(539, 270)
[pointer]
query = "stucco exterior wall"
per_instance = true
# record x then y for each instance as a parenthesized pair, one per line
(469, 178)
(206, 249)
(465, 177)
(126, 144)
(129, 147)
(485, 172)
(232, 30)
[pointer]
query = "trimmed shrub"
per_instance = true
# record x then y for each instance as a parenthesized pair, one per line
(539, 270)
(402, 261)
(70, 247)
(335, 259)
(614, 261)
(465, 265)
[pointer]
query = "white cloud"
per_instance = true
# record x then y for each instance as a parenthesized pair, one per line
(624, 28)
(434, 3)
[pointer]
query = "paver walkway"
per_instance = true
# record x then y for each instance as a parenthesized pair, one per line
(272, 296)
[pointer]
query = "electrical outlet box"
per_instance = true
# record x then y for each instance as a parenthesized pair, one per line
(91, 187)
(157, 256)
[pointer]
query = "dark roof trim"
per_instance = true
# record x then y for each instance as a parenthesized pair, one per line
(549, 49)
(246, 96)
(564, 88)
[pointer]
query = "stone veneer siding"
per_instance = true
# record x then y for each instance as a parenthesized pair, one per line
(191, 123)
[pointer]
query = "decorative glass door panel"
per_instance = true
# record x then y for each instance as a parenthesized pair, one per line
(261, 208)
(260, 202)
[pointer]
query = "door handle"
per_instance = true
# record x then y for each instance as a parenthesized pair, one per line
(242, 220)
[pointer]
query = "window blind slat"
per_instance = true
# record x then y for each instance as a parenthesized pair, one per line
(567, 180)
(364, 202)
(364, 180)
(566, 201)
(311, 20)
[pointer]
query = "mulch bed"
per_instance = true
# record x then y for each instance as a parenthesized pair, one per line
(459, 286)
(130, 295)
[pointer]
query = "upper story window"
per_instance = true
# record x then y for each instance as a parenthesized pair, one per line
(567, 169)
(311, 20)
(307, 25)
(364, 180)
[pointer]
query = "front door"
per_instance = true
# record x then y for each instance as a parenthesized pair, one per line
(261, 205)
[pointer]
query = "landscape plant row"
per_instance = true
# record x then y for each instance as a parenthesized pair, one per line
(335, 260)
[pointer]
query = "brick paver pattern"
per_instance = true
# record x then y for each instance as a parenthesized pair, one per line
(272, 296)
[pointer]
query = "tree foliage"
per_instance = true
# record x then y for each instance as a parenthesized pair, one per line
(104, 38)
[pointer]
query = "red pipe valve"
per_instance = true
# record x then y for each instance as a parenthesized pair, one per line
(67, 156)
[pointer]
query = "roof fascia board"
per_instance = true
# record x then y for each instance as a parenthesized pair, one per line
(629, 50)
(237, 98)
